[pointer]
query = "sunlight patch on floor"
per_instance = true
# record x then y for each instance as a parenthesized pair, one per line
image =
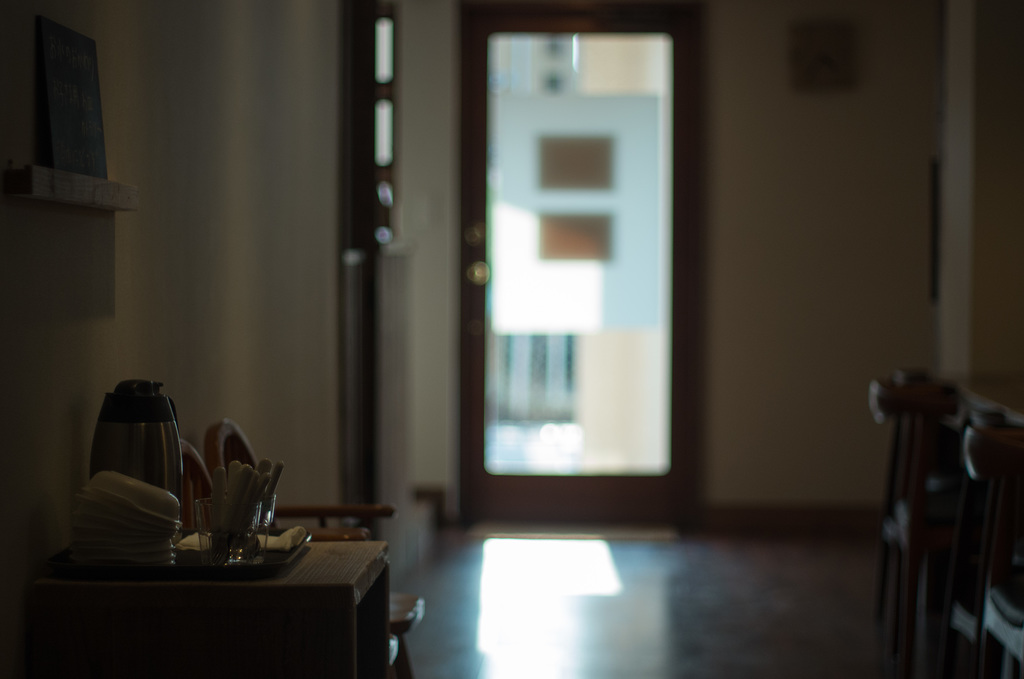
(531, 594)
(610, 532)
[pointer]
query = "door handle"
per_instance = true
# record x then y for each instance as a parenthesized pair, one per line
(478, 273)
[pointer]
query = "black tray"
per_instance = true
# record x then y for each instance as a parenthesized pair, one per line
(188, 566)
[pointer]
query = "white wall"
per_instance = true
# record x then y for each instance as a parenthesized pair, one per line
(983, 280)
(956, 249)
(222, 285)
(817, 245)
(818, 250)
(427, 184)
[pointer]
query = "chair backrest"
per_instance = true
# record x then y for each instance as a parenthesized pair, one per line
(997, 455)
(195, 482)
(889, 398)
(225, 442)
(917, 408)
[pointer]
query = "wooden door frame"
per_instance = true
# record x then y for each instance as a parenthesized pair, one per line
(585, 498)
(358, 257)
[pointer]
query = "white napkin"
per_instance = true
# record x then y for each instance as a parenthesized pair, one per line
(284, 542)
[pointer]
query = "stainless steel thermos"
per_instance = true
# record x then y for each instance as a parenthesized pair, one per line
(137, 435)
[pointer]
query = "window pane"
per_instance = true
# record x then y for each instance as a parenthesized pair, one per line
(385, 50)
(385, 138)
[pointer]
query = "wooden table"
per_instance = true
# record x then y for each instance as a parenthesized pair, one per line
(1002, 393)
(325, 617)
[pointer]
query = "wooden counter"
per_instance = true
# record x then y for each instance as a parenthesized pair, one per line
(326, 617)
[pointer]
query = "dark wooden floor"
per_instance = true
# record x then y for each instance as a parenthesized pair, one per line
(696, 607)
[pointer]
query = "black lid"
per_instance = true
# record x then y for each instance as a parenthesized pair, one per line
(137, 401)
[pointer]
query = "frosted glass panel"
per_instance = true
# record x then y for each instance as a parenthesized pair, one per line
(384, 142)
(578, 337)
(385, 52)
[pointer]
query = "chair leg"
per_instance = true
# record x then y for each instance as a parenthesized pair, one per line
(990, 657)
(393, 646)
(949, 641)
(958, 582)
(403, 669)
(908, 613)
(884, 547)
(881, 579)
(893, 596)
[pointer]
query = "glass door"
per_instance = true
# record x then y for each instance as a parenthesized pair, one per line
(570, 305)
(579, 250)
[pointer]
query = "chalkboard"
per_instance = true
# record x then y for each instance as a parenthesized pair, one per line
(70, 82)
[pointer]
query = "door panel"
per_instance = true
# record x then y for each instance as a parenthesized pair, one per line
(579, 317)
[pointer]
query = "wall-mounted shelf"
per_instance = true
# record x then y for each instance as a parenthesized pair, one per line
(59, 186)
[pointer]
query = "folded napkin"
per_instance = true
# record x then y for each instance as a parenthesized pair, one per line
(285, 542)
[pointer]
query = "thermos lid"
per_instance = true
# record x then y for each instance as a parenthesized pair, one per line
(137, 401)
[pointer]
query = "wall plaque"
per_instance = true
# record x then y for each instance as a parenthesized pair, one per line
(823, 55)
(70, 89)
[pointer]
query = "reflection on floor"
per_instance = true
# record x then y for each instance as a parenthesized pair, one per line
(697, 607)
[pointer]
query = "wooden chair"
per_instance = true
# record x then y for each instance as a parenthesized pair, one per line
(406, 611)
(225, 441)
(920, 511)
(965, 589)
(896, 441)
(997, 455)
(195, 482)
